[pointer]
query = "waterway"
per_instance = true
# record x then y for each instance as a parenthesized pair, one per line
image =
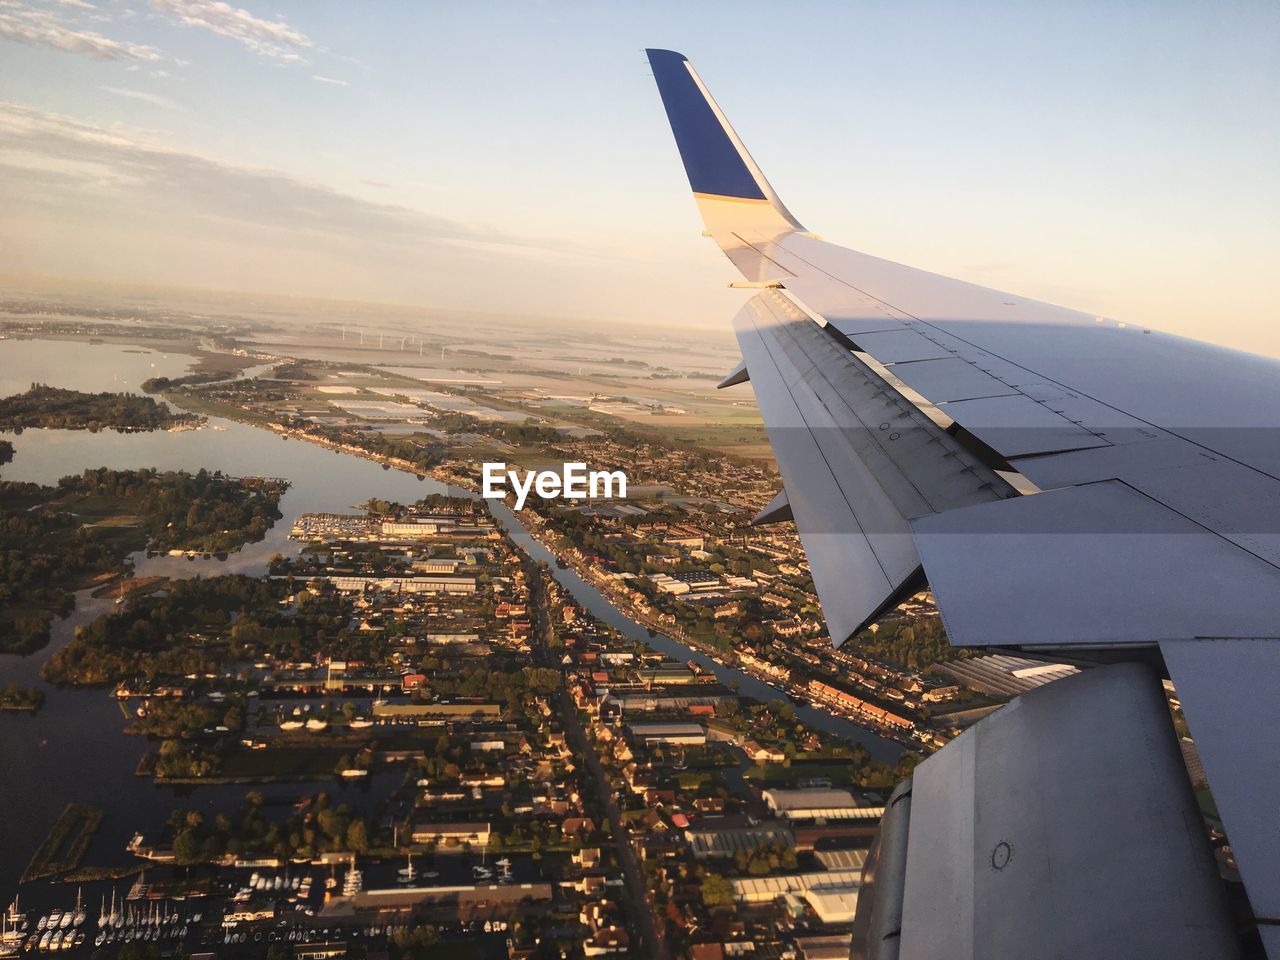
(593, 600)
(74, 750)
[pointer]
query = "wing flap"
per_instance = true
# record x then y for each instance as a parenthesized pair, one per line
(1100, 564)
(1017, 426)
(857, 460)
(851, 581)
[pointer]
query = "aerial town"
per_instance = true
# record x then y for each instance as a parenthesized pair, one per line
(533, 775)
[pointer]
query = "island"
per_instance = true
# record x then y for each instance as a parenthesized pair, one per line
(59, 408)
(55, 540)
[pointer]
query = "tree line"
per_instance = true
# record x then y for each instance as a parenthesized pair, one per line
(59, 408)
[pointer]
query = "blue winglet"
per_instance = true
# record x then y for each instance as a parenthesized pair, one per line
(711, 158)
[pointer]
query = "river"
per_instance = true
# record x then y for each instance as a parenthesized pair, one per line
(73, 750)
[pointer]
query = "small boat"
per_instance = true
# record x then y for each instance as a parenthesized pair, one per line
(353, 884)
(359, 723)
(10, 938)
(407, 873)
(14, 917)
(290, 724)
(315, 723)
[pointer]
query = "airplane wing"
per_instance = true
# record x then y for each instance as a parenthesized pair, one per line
(911, 413)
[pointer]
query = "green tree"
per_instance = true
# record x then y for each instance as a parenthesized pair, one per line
(187, 846)
(717, 890)
(357, 837)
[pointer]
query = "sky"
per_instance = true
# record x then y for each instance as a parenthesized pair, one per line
(1120, 158)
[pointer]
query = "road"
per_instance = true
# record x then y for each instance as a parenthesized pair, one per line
(576, 737)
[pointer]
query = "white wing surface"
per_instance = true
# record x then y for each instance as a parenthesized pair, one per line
(898, 402)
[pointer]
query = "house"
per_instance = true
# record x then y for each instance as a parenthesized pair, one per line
(762, 753)
(607, 941)
(577, 827)
(653, 822)
(654, 797)
(785, 628)
(723, 611)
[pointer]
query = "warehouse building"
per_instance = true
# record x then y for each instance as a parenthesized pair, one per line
(686, 734)
(820, 804)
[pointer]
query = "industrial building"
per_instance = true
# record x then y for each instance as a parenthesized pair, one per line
(819, 804)
(687, 734)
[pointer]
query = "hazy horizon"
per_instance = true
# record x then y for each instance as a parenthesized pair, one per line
(259, 304)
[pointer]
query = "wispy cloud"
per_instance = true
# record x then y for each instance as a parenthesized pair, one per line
(78, 4)
(270, 38)
(74, 159)
(145, 96)
(334, 80)
(34, 27)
